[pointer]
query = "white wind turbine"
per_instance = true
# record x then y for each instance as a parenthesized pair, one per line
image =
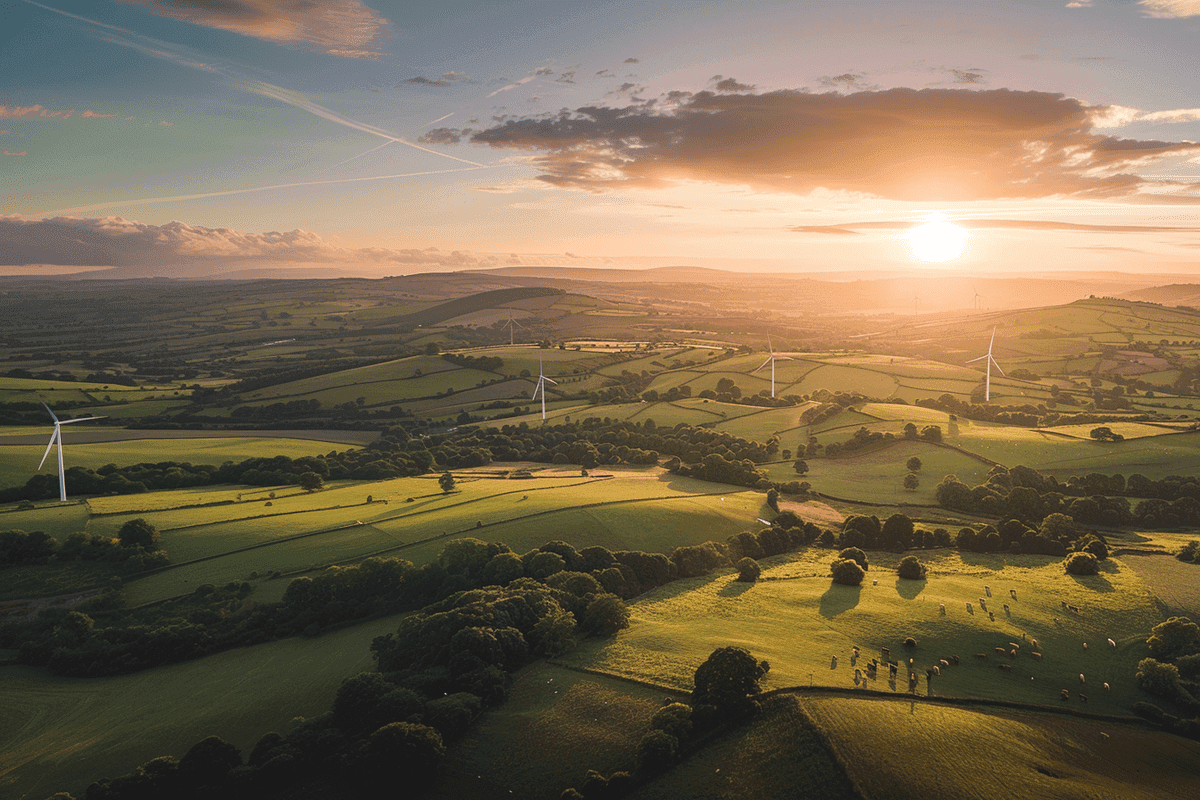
(771, 359)
(978, 301)
(541, 385)
(989, 362)
(57, 437)
(511, 325)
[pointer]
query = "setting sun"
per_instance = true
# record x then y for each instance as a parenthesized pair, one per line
(937, 240)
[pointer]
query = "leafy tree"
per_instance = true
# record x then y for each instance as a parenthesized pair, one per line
(1159, 678)
(1178, 636)
(138, 533)
(773, 499)
(857, 555)
(312, 482)
(655, 753)
(912, 482)
(911, 568)
(847, 572)
(404, 749)
(913, 464)
(606, 614)
(748, 570)
(728, 679)
(1190, 552)
(209, 761)
(446, 482)
(1082, 564)
(801, 467)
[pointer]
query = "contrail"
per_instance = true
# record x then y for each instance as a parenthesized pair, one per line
(352, 158)
(227, 192)
(439, 119)
(168, 52)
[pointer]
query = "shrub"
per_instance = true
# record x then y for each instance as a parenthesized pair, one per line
(1082, 564)
(847, 572)
(911, 568)
(138, 533)
(913, 464)
(856, 555)
(727, 679)
(674, 719)
(1190, 552)
(912, 482)
(655, 753)
(748, 570)
(606, 615)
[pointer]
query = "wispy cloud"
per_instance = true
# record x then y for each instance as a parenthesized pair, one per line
(1120, 116)
(903, 144)
(1170, 9)
(11, 153)
(513, 85)
(41, 112)
(849, 228)
(344, 28)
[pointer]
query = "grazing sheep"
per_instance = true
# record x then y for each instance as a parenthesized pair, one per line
(983, 604)
(1107, 687)
(1005, 667)
(982, 656)
(1105, 735)
(1000, 651)
(886, 652)
(937, 670)
(892, 670)
(1081, 678)
(1012, 653)
(1085, 645)
(1013, 592)
(1056, 620)
(944, 662)
(1083, 698)
(991, 616)
(1014, 645)
(954, 660)
(1064, 695)
(833, 663)
(988, 590)
(1112, 644)
(1036, 655)
(854, 650)
(969, 609)
(1035, 644)
(1064, 605)
(942, 608)
(1006, 610)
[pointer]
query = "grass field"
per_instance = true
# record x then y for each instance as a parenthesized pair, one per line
(920, 750)
(59, 734)
(797, 619)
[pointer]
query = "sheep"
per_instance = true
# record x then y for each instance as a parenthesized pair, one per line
(1007, 610)
(1064, 605)
(942, 608)
(954, 660)
(1064, 695)
(1083, 698)
(892, 670)
(983, 604)
(1107, 687)
(1105, 735)
(944, 662)
(981, 656)
(1000, 651)
(833, 663)
(1056, 620)
(886, 652)
(1036, 655)
(991, 616)
(1012, 653)
(1013, 593)
(937, 670)
(1005, 667)
(1081, 678)
(1014, 645)
(988, 590)
(969, 609)
(1034, 643)
(1085, 645)
(1112, 644)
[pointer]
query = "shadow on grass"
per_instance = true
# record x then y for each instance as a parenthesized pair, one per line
(839, 598)
(1097, 583)
(909, 589)
(734, 588)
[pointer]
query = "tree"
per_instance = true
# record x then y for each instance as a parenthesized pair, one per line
(847, 572)
(1190, 552)
(606, 614)
(209, 761)
(655, 752)
(913, 464)
(138, 533)
(911, 568)
(911, 482)
(857, 555)
(801, 467)
(311, 482)
(1082, 564)
(1178, 636)
(748, 570)
(446, 482)
(728, 679)
(773, 499)
(404, 749)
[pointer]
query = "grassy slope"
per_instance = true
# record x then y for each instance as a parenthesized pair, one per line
(62, 733)
(988, 754)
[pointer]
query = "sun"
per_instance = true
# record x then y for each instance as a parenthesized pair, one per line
(937, 240)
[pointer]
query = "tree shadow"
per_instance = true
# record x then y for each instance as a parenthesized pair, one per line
(839, 598)
(909, 589)
(734, 588)
(1097, 583)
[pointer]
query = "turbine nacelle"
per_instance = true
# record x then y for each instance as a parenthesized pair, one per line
(771, 359)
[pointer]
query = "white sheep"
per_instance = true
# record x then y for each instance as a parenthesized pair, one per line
(1107, 688)
(1112, 644)
(1081, 679)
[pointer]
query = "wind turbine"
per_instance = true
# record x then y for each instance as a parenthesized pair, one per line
(511, 325)
(541, 385)
(988, 361)
(978, 302)
(57, 437)
(771, 359)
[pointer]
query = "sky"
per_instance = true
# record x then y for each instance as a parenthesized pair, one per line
(382, 138)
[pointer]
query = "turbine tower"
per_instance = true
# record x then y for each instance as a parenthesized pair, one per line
(57, 437)
(511, 325)
(989, 362)
(541, 385)
(771, 359)
(978, 301)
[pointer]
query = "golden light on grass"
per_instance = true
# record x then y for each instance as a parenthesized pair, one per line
(937, 240)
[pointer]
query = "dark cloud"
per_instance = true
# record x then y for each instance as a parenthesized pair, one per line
(442, 136)
(731, 85)
(419, 81)
(632, 61)
(967, 76)
(847, 80)
(906, 144)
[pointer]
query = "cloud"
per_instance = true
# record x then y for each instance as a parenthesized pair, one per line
(967, 76)
(904, 144)
(1170, 9)
(41, 112)
(442, 136)
(1120, 116)
(632, 61)
(419, 81)
(977, 224)
(344, 28)
(11, 153)
(1080, 4)
(847, 80)
(731, 85)
(114, 241)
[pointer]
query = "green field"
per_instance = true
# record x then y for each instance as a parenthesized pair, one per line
(910, 751)
(59, 734)
(797, 619)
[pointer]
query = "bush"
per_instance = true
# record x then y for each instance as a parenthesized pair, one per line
(655, 753)
(1082, 564)
(138, 533)
(606, 615)
(847, 572)
(856, 555)
(727, 679)
(1190, 552)
(748, 570)
(911, 568)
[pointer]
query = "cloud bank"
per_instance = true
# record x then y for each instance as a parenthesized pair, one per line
(903, 144)
(345, 28)
(118, 242)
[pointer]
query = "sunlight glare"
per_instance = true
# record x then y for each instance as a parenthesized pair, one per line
(937, 240)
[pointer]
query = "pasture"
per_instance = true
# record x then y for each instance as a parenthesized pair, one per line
(917, 750)
(797, 619)
(59, 734)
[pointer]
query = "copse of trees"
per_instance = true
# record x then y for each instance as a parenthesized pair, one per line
(847, 572)
(1172, 672)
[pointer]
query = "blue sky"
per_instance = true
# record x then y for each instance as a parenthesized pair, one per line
(806, 135)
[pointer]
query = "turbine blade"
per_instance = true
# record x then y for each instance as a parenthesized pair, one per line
(48, 411)
(768, 361)
(981, 358)
(992, 342)
(548, 380)
(784, 358)
(997, 366)
(770, 348)
(78, 419)
(49, 447)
